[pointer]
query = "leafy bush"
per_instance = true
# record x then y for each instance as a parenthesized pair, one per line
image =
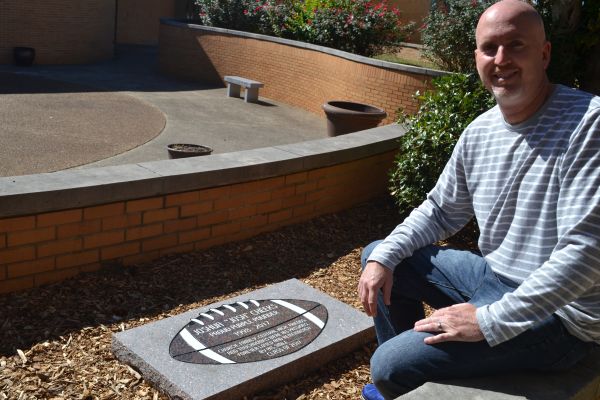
(448, 33)
(432, 134)
(358, 26)
(232, 14)
(573, 28)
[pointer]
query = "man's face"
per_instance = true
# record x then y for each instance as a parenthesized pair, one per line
(511, 56)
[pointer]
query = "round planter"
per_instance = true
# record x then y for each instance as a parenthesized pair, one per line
(346, 117)
(23, 56)
(182, 150)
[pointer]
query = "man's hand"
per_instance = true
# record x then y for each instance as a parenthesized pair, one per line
(457, 323)
(374, 277)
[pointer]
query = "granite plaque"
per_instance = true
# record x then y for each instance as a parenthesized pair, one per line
(150, 348)
(249, 331)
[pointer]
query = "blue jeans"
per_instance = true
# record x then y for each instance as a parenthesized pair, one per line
(441, 277)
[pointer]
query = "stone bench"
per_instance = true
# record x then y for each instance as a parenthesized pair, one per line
(234, 83)
(580, 383)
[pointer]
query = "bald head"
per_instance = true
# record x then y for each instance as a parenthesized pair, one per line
(512, 56)
(516, 12)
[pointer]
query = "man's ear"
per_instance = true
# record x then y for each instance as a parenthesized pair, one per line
(546, 53)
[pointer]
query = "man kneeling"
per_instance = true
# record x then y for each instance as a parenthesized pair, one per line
(529, 171)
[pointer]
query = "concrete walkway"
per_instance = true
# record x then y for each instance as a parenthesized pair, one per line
(195, 113)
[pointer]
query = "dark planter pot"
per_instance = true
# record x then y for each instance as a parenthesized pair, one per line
(346, 117)
(182, 150)
(23, 56)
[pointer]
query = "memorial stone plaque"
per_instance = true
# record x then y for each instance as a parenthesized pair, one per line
(243, 345)
(249, 331)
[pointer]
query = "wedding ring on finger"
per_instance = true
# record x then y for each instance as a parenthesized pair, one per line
(439, 326)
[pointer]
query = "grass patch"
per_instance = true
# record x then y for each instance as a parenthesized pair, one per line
(390, 57)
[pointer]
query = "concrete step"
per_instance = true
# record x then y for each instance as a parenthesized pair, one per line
(580, 383)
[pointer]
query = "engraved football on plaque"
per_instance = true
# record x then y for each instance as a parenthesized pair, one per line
(249, 331)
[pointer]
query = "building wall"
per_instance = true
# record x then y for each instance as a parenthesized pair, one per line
(415, 11)
(296, 75)
(61, 31)
(138, 20)
(44, 247)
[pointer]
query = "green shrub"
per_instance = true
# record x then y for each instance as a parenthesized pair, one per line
(358, 26)
(573, 28)
(448, 33)
(432, 134)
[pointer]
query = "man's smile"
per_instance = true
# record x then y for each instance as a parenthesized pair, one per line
(502, 77)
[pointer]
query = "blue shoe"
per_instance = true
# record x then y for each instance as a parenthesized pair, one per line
(370, 392)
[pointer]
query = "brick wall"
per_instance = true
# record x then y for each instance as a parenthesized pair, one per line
(61, 31)
(40, 248)
(297, 76)
(138, 20)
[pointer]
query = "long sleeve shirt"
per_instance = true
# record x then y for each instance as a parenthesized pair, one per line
(534, 189)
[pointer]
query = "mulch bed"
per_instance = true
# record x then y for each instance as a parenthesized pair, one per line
(55, 341)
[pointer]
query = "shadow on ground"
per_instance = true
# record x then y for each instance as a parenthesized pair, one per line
(133, 68)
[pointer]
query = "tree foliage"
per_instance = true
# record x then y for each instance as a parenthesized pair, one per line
(445, 111)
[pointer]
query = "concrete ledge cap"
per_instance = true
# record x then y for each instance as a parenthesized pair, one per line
(29, 194)
(581, 382)
(295, 43)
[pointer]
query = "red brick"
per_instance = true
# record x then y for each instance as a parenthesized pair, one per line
(283, 192)
(254, 221)
(121, 250)
(107, 210)
(213, 218)
(214, 193)
(293, 201)
(145, 204)
(121, 221)
(269, 206)
(296, 178)
(91, 267)
(306, 187)
(79, 228)
(54, 276)
(75, 259)
(242, 200)
(204, 207)
(316, 174)
(59, 218)
(257, 186)
(11, 255)
(184, 248)
(280, 216)
(13, 285)
(305, 210)
(194, 236)
(182, 198)
(30, 267)
(158, 243)
(63, 246)
(33, 236)
(226, 229)
(141, 258)
(103, 239)
(178, 225)
(242, 212)
(316, 196)
(160, 215)
(17, 224)
(145, 231)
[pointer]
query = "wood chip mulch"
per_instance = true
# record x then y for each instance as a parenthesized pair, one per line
(55, 341)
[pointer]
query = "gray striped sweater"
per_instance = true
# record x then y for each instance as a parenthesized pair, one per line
(534, 188)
